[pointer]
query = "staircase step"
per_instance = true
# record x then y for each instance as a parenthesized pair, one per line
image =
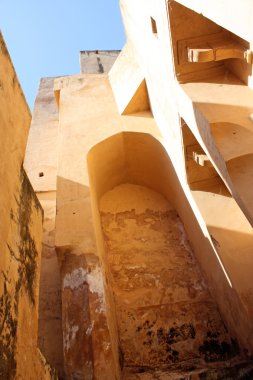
(220, 371)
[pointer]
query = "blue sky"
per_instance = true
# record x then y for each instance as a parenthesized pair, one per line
(44, 37)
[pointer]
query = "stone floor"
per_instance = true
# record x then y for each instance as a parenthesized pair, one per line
(166, 315)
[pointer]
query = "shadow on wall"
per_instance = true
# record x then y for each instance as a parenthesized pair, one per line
(50, 311)
(237, 256)
(86, 338)
(140, 159)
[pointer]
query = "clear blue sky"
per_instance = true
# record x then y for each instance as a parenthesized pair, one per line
(44, 37)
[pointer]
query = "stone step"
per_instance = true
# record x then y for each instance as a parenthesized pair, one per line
(219, 371)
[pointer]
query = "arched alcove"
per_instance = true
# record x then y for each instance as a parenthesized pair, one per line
(132, 157)
(160, 309)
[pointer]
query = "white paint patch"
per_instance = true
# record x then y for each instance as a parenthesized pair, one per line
(96, 285)
(74, 279)
(200, 286)
(106, 346)
(70, 336)
(74, 331)
(94, 279)
(90, 328)
(136, 267)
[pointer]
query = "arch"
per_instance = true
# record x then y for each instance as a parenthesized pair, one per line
(127, 157)
(132, 157)
(121, 166)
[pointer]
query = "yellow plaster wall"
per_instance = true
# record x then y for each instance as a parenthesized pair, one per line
(20, 237)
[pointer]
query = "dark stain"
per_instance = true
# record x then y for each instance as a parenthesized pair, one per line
(215, 242)
(100, 66)
(27, 253)
(173, 356)
(213, 350)
(148, 325)
(213, 334)
(14, 80)
(8, 333)
(141, 370)
(121, 357)
(26, 256)
(175, 334)
(131, 316)
(3, 48)
(12, 216)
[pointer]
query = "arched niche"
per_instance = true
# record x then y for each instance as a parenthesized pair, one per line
(133, 158)
(130, 157)
(164, 273)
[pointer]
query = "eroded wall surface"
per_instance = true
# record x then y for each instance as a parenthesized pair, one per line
(164, 310)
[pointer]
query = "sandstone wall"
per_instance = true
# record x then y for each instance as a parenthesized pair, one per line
(20, 238)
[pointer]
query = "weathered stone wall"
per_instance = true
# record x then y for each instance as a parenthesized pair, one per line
(165, 312)
(97, 61)
(20, 238)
